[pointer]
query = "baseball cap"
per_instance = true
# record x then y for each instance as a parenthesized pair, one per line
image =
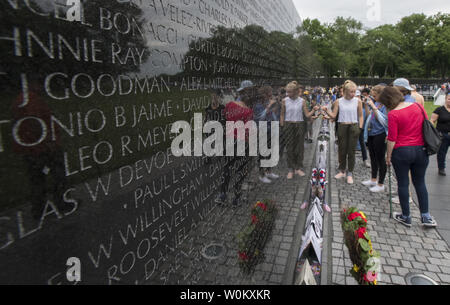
(358, 93)
(245, 84)
(403, 82)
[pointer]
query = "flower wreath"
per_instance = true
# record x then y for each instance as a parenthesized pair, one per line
(366, 261)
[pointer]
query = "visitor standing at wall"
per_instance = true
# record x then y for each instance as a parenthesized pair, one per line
(265, 110)
(407, 153)
(362, 144)
(441, 116)
(311, 103)
(375, 131)
(294, 112)
(350, 125)
(418, 97)
(405, 88)
(238, 166)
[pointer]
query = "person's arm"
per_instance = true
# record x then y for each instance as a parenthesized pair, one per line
(392, 138)
(390, 149)
(332, 114)
(367, 110)
(307, 113)
(360, 115)
(283, 112)
(434, 118)
(380, 116)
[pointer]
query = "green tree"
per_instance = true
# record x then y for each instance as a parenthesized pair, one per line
(346, 34)
(437, 44)
(319, 37)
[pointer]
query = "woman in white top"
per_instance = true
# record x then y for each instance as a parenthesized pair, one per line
(293, 114)
(351, 122)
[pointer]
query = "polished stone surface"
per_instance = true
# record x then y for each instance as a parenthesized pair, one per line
(89, 91)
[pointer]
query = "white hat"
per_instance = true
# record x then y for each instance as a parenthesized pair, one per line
(245, 84)
(403, 82)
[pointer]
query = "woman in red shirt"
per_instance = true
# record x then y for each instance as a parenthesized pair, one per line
(238, 111)
(406, 151)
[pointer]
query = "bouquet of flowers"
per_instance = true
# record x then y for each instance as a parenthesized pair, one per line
(252, 239)
(366, 261)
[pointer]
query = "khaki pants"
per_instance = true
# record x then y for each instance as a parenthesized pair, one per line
(295, 142)
(347, 138)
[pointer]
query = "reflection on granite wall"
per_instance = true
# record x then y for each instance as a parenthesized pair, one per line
(89, 91)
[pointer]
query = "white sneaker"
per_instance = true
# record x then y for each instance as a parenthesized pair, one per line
(369, 183)
(265, 180)
(377, 189)
(367, 164)
(272, 176)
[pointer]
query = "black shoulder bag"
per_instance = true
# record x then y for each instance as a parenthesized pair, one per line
(430, 135)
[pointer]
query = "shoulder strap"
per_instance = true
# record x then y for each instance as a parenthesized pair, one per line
(423, 112)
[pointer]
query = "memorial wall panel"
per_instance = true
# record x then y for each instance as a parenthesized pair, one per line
(89, 93)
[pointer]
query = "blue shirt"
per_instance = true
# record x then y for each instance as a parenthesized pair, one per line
(375, 127)
(410, 99)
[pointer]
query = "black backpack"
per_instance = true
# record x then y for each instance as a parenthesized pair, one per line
(430, 135)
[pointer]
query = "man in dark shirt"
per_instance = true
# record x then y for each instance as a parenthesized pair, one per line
(442, 117)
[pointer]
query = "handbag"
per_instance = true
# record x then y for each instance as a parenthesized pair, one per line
(430, 135)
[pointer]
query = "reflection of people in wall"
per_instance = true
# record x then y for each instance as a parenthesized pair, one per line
(215, 112)
(239, 165)
(42, 154)
(265, 109)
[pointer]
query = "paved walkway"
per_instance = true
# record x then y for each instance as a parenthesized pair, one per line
(439, 196)
(403, 251)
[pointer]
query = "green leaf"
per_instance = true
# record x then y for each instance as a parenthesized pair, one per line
(364, 245)
(367, 236)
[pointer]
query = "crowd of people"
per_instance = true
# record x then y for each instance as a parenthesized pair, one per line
(385, 120)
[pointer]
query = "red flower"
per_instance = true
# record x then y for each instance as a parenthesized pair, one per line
(243, 256)
(254, 219)
(360, 232)
(353, 216)
(262, 206)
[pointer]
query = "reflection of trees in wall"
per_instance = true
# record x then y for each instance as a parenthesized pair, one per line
(276, 55)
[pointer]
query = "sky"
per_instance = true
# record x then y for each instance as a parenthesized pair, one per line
(371, 13)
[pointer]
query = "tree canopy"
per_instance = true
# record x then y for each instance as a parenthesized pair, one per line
(417, 46)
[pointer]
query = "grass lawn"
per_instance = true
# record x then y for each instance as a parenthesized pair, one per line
(430, 107)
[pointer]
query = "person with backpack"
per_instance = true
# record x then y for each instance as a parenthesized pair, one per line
(407, 153)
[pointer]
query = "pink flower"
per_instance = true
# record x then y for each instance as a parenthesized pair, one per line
(370, 277)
